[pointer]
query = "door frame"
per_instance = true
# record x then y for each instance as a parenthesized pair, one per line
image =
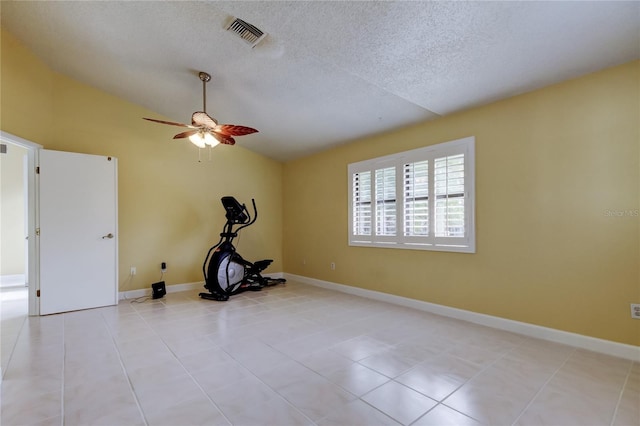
(33, 260)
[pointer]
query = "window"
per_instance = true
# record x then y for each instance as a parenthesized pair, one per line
(419, 199)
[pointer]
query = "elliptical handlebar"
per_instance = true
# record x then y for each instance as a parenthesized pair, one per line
(250, 220)
(237, 214)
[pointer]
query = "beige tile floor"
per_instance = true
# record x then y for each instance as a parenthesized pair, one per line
(296, 355)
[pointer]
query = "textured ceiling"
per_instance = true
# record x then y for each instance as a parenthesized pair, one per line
(327, 72)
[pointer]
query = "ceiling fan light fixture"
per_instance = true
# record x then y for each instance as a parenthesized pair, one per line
(210, 140)
(198, 139)
(203, 139)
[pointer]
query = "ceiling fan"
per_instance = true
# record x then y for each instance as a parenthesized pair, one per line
(205, 130)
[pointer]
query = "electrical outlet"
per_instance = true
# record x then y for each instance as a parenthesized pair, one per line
(333, 266)
(163, 266)
(133, 270)
(635, 310)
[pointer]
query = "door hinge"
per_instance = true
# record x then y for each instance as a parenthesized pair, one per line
(38, 170)
(37, 293)
(38, 231)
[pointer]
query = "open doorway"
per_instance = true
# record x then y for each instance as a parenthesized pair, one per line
(18, 269)
(14, 269)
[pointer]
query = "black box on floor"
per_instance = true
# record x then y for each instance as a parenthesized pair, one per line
(158, 289)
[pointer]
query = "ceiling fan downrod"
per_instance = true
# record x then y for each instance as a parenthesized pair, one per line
(205, 79)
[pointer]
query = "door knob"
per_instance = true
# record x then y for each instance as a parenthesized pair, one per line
(109, 235)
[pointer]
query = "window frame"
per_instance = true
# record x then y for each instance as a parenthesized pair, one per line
(465, 244)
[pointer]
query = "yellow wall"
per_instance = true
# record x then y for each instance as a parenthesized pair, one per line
(26, 92)
(169, 203)
(12, 213)
(549, 165)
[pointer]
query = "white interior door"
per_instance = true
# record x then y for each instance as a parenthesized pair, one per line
(78, 231)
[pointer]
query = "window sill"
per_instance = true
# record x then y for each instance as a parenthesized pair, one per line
(415, 246)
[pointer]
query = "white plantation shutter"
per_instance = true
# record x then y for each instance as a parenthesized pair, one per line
(361, 203)
(449, 192)
(416, 199)
(423, 198)
(386, 201)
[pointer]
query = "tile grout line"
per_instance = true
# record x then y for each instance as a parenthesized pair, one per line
(378, 409)
(284, 398)
(450, 408)
(544, 385)
(183, 367)
(357, 397)
(267, 385)
(482, 370)
(624, 385)
(391, 379)
(124, 369)
(13, 347)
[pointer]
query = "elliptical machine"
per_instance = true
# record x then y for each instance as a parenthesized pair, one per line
(225, 272)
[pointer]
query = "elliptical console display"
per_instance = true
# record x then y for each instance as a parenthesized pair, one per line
(225, 272)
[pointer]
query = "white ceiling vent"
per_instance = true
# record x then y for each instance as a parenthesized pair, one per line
(247, 32)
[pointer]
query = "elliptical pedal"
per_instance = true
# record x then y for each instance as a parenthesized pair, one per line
(215, 296)
(269, 282)
(261, 265)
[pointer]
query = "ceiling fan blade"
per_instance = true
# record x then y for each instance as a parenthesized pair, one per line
(233, 130)
(168, 122)
(200, 118)
(186, 134)
(224, 139)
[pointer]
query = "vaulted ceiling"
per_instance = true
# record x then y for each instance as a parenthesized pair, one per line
(327, 72)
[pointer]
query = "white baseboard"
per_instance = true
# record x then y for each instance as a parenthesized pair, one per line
(608, 347)
(174, 288)
(12, 280)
